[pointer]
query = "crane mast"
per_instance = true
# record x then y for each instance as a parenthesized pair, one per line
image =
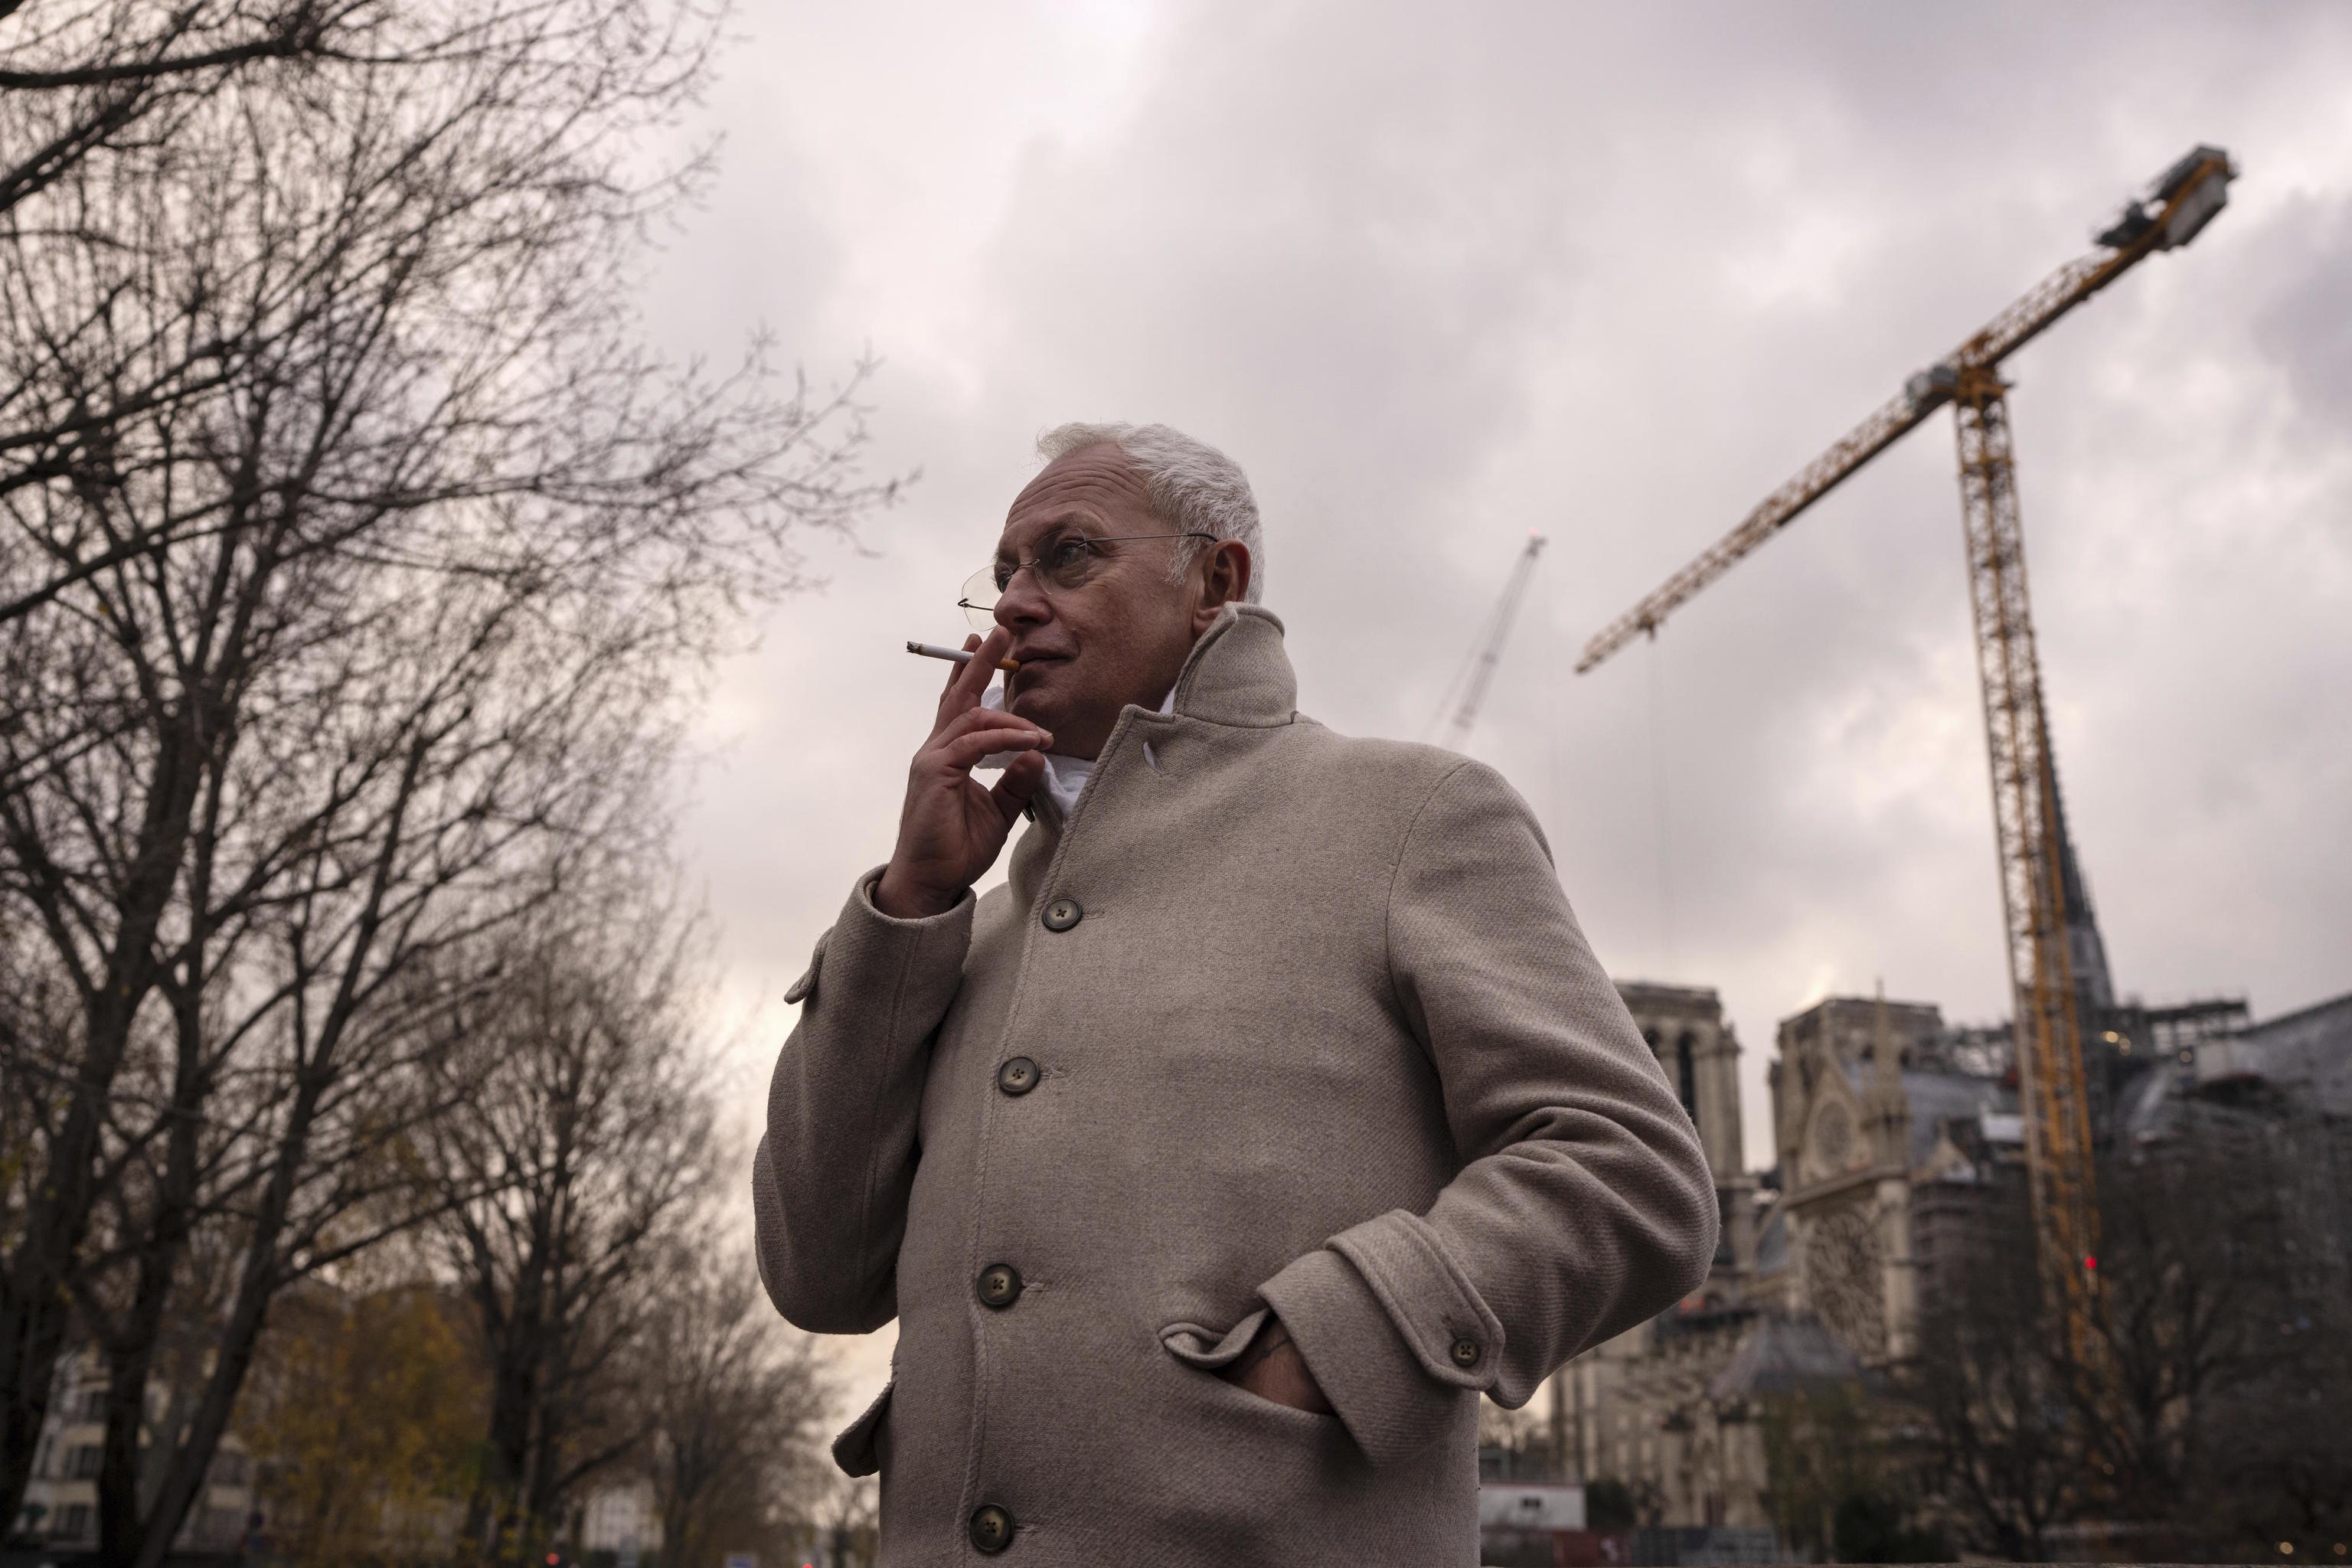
(2048, 1028)
(2028, 826)
(1490, 644)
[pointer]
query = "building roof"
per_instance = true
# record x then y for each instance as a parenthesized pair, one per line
(1782, 1354)
(1938, 1097)
(2303, 1056)
(2310, 1047)
(1654, 996)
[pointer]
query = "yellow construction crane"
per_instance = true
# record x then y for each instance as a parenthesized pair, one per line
(2026, 814)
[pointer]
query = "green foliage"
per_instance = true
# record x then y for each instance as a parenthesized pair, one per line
(363, 1415)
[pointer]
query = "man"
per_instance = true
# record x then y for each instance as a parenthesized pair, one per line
(1272, 1112)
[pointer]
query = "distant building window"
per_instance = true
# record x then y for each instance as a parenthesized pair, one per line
(93, 1405)
(1686, 1078)
(229, 1470)
(74, 1522)
(82, 1462)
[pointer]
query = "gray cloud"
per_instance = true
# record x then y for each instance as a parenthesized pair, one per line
(1612, 273)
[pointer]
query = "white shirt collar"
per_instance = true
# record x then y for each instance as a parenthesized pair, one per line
(1065, 777)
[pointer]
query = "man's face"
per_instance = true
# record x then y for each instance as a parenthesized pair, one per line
(1119, 637)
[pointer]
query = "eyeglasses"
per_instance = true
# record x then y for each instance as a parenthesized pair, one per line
(1066, 563)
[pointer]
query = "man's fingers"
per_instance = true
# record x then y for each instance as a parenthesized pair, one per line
(947, 685)
(965, 750)
(969, 681)
(994, 719)
(1023, 775)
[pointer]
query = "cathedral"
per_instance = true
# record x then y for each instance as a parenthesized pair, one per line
(1887, 1125)
(1891, 1132)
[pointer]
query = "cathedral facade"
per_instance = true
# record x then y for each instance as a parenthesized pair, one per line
(1888, 1127)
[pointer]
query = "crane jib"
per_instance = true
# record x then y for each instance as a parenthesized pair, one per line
(2188, 194)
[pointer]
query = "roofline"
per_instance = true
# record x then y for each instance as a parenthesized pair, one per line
(2298, 1015)
(1660, 988)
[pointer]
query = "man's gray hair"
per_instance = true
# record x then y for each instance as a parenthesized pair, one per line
(1188, 482)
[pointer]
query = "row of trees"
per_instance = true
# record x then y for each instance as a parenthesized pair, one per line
(2204, 1419)
(565, 1316)
(357, 565)
(2207, 1413)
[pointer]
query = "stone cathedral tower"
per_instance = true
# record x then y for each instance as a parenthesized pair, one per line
(1863, 1110)
(1686, 1026)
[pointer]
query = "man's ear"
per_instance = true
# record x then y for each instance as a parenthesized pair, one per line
(1224, 580)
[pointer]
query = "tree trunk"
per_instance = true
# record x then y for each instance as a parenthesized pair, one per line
(34, 1301)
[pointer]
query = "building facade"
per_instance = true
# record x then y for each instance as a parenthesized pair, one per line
(1637, 1409)
(1890, 1129)
(60, 1506)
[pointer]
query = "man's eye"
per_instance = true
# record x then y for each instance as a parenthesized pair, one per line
(1004, 574)
(1067, 556)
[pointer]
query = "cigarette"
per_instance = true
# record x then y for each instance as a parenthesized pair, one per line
(954, 655)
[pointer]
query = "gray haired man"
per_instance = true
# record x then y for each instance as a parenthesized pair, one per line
(1271, 1112)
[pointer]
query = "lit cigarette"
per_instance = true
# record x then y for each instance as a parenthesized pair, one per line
(954, 655)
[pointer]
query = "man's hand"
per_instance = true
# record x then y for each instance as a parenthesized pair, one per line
(952, 827)
(1273, 1369)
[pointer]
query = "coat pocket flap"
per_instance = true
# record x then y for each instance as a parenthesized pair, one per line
(855, 1450)
(803, 988)
(1207, 1349)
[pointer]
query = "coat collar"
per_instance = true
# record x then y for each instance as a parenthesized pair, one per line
(1238, 674)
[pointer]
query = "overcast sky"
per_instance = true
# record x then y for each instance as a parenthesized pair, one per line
(1438, 276)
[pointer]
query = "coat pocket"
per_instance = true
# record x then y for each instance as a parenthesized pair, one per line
(855, 1450)
(1207, 1349)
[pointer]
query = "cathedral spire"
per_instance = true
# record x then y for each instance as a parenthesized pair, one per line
(2086, 951)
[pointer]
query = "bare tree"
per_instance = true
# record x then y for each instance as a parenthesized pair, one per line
(849, 1521)
(88, 79)
(2156, 1425)
(566, 1170)
(1994, 1392)
(352, 643)
(2192, 1299)
(85, 77)
(738, 1403)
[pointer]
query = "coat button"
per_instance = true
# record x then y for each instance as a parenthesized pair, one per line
(1017, 1077)
(1000, 1286)
(992, 1528)
(1063, 913)
(1465, 1352)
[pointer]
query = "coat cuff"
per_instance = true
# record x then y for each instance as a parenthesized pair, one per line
(887, 933)
(1389, 1405)
(1447, 1326)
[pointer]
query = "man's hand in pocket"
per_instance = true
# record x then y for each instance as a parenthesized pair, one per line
(1273, 1369)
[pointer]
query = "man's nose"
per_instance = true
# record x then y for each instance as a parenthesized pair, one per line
(1022, 603)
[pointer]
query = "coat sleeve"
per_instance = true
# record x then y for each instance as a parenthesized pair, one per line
(830, 1181)
(1583, 1202)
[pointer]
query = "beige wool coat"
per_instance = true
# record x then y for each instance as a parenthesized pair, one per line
(1281, 1020)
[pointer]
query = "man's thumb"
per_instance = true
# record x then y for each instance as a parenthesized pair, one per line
(1022, 777)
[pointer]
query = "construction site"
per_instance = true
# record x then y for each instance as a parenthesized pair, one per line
(2075, 1283)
